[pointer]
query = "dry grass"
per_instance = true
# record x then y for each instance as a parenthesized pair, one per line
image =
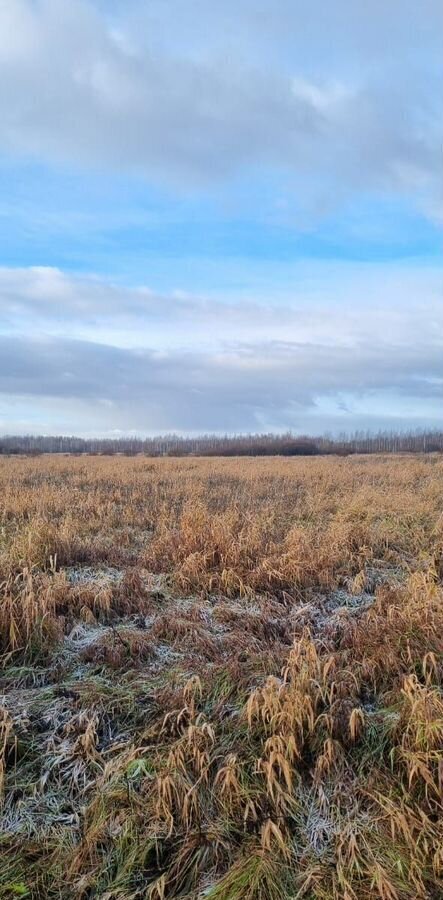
(221, 678)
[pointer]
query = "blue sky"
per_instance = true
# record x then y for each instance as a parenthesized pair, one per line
(215, 218)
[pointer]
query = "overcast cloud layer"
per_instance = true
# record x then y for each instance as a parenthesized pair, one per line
(129, 357)
(220, 216)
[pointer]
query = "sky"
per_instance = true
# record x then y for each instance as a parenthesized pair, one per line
(220, 216)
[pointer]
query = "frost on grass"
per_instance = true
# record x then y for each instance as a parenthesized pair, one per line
(96, 575)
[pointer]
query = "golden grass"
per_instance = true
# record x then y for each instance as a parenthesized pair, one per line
(221, 678)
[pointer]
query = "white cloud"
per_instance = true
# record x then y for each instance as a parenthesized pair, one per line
(173, 91)
(131, 359)
(333, 304)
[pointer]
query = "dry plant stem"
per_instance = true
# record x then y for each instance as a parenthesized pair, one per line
(221, 678)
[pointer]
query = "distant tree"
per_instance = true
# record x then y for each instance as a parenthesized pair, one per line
(229, 445)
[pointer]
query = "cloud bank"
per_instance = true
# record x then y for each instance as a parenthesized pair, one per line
(196, 92)
(110, 355)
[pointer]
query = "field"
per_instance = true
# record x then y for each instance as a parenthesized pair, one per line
(221, 678)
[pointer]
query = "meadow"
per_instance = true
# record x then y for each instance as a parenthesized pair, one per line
(221, 678)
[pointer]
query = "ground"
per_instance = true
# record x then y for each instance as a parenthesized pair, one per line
(221, 678)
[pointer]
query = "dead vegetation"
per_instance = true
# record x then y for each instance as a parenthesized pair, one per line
(221, 678)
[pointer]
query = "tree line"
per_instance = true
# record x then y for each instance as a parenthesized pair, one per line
(286, 444)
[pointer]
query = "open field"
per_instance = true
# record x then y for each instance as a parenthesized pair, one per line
(221, 678)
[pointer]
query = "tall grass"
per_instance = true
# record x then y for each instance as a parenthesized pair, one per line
(252, 709)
